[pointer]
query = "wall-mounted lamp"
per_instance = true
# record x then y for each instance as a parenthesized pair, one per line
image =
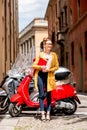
(60, 36)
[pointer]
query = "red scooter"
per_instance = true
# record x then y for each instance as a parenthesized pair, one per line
(64, 97)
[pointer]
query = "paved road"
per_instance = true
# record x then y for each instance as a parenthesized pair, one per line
(29, 121)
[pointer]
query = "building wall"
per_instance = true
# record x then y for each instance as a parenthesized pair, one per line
(78, 42)
(31, 37)
(70, 26)
(57, 23)
(62, 35)
(8, 34)
(52, 17)
(39, 35)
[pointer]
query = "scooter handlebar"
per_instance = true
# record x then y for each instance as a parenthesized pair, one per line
(32, 70)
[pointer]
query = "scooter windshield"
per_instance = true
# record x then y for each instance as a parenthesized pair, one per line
(21, 65)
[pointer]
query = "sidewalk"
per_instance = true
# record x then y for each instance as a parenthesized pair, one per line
(82, 96)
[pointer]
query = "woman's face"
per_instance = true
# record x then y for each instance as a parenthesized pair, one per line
(48, 46)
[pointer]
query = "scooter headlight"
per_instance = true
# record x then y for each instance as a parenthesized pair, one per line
(75, 92)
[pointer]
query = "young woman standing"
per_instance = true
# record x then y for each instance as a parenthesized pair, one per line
(44, 76)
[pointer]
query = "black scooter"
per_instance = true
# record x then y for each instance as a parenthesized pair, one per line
(4, 100)
(10, 82)
(7, 89)
(6, 92)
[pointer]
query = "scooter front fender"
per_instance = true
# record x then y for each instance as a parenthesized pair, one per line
(16, 98)
(77, 99)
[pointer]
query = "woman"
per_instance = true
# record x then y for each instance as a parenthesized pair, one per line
(44, 76)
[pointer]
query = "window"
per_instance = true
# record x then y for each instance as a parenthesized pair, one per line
(71, 20)
(62, 19)
(56, 10)
(65, 13)
(27, 47)
(78, 8)
(59, 23)
(21, 48)
(30, 43)
(53, 37)
(72, 53)
(86, 45)
(67, 57)
(24, 48)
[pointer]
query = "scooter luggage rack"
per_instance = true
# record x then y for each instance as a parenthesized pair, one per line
(68, 80)
(64, 76)
(61, 82)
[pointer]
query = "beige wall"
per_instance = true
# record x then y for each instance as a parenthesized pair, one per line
(8, 34)
(31, 37)
(39, 35)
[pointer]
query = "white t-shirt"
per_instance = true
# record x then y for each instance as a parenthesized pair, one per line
(49, 60)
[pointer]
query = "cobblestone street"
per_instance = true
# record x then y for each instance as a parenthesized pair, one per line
(43, 59)
(75, 122)
(29, 121)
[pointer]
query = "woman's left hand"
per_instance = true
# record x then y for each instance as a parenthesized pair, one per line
(45, 70)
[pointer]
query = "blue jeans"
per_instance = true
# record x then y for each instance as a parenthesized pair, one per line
(42, 82)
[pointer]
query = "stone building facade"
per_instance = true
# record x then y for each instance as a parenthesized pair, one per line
(8, 34)
(31, 36)
(51, 15)
(67, 26)
(77, 22)
(56, 14)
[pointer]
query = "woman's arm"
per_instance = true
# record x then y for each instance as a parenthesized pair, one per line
(35, 64)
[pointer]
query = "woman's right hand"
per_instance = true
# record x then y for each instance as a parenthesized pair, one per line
(43, 68)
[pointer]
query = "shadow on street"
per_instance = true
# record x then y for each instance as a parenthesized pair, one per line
(2, 117)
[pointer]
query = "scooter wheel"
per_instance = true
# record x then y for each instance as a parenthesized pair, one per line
(3, 108)
(14, 110)
(70, 111)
